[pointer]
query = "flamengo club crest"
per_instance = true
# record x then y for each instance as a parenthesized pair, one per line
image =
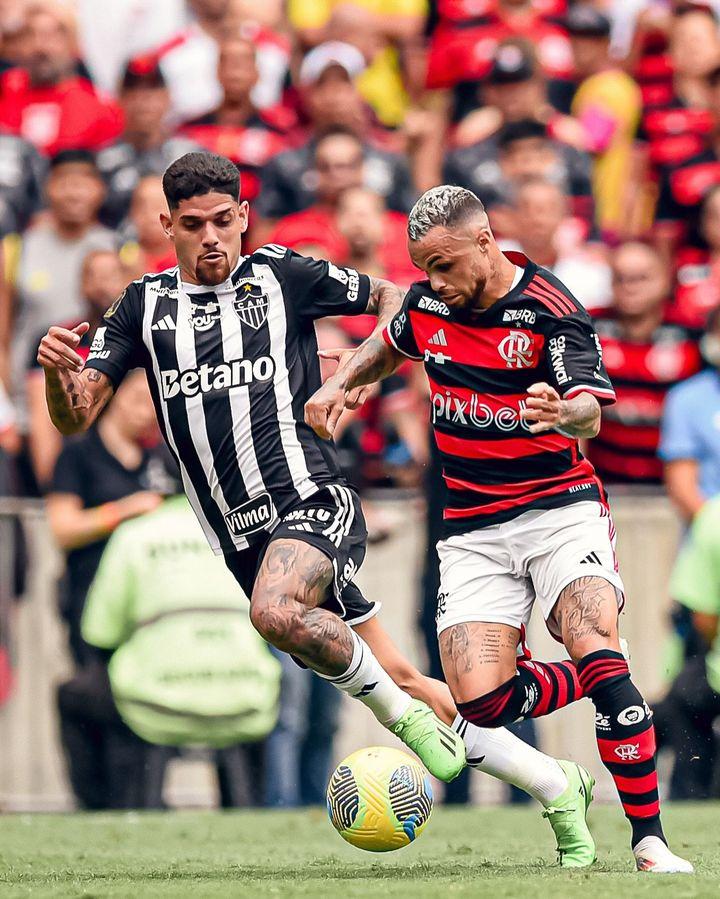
(517, 350)
(251, 303)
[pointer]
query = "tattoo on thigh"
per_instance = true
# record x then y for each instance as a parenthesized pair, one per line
(297, 571)
(455, 649)
(582, 606)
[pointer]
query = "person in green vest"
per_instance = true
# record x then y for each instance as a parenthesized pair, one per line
(693, 703)
(185, 665)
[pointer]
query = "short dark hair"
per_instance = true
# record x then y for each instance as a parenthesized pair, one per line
(195, 174)
(78, 157)
(524, 129)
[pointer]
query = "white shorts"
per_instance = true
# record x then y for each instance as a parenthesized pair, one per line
(496, 573)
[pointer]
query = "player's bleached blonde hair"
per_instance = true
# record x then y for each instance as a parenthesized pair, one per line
(445, 205)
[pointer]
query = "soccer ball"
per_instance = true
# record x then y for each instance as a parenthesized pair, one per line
(379, 799)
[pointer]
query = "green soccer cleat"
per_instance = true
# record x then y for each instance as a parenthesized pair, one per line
(439, 748)
(568, 818)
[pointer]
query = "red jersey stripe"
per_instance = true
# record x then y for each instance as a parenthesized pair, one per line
(492, 508)
(563, 301)
(545, 299)
(514, 448)
(479, 347)
(583, 470)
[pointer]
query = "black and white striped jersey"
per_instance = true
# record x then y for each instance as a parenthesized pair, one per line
(230, 369)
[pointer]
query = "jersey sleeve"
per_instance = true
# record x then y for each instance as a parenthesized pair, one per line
(399, 333)
(319, 288)
(117, 345)
(573, 353)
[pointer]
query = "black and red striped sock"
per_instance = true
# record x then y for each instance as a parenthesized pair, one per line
(537, 689)
(625, 738)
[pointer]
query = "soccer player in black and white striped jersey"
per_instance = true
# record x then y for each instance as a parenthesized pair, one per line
(228, 343)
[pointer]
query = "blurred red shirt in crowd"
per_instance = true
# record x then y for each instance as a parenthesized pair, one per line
(46, 102)
(644, 356)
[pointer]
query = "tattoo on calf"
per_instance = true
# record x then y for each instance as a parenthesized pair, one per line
(582, 606)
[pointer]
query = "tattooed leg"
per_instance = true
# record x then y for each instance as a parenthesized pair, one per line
(587, 616)
(293, 580)
(477, 657)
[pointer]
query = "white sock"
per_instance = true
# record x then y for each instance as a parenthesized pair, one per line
(367, 681)
(496, 751)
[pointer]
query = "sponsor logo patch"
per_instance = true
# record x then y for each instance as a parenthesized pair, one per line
(98, 342)
(522, 316)
(556, 348)
(204, 315)
(207, 378)
(347, 276)
(252, 516)
(475, 413)
(431, 305)
(633, 714)
(602, 722)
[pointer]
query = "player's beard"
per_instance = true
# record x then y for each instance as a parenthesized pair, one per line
(212, 274)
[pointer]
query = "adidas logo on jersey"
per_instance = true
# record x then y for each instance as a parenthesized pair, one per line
(438, 339)
(166, 323)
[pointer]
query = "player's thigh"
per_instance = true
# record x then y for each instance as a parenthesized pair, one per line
(575, 576)
(314, 553)
(482, 608)
(477, 657)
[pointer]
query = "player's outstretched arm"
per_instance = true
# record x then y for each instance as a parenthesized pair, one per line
(546, 411)
(372, 361)
(75, 396)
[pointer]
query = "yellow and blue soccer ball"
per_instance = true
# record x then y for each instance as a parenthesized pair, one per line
(379, 799)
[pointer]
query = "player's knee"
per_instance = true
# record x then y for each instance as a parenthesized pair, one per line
(494, 709)
(279, 622)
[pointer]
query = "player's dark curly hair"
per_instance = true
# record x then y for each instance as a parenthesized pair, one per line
(195, 174)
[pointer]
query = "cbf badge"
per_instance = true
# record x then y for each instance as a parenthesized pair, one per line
(251, 303)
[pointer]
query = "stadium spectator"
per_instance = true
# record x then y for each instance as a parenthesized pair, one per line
(22, 175)
(100, 480)
(697, 277)
(148, 249)
(607, 104)
(644, 358)
(690, 441)
(467, 34)
(338, 165)
(45, 100)
(521, 148)
(184, 663)
(46, 278)
(146, 146)
(545, 232)
(693, 701)
(387, 33)
(102, 280)
(332, 101)
(236, 128)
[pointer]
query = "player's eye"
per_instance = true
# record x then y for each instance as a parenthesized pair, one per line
(443, 267)
(224, 221)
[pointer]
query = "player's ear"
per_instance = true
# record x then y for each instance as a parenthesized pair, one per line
(243, 212)
(167, 225)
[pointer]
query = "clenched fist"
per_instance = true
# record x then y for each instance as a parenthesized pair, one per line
(57, 348)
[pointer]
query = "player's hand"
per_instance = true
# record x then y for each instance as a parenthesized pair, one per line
(324, 408)
(357, 396)
(57, 348)
(544, 408)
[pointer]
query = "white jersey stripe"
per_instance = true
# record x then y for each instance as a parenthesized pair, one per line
(150, 303)
(185, 350)
(277, 327)
(232, 348)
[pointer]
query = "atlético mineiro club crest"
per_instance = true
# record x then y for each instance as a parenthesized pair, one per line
(251, 303)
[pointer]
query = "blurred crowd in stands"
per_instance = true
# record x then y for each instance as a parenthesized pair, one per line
(591, 131)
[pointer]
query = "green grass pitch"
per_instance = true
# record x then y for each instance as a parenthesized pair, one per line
(497, 853)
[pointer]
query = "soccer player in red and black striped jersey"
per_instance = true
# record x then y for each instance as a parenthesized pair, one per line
(516, 375)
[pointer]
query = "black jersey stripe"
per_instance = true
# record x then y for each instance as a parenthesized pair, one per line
(172, 413)
(508, 471)
(498, 381)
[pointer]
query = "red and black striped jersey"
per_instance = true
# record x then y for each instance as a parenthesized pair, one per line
(625, 450)
(493, 467)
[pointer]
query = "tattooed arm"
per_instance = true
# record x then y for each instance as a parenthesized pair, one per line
(75, 396)
(546, 410)
(372, 361)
